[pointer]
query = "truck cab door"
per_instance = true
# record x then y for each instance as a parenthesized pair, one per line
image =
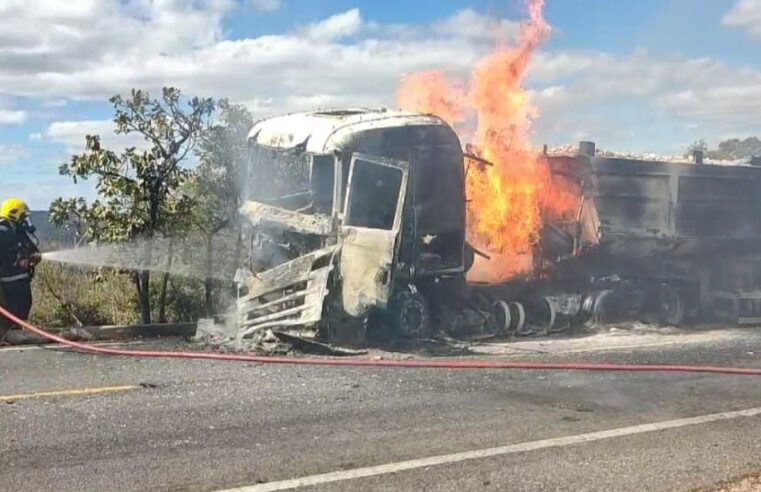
(371, 224)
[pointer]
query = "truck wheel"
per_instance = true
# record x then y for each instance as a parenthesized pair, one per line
(671, 309)
(340, 328)
(518, 313)
(409, 315)
(601, 307)
(501, 317)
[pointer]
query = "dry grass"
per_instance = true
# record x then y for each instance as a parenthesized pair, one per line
(95, 298)
(105, 297)
(748, 484)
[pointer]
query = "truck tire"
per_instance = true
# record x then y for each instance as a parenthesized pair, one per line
(409, 315)
(340, 328)
(671, 308)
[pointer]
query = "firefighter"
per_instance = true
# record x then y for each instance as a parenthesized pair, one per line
(18, 257)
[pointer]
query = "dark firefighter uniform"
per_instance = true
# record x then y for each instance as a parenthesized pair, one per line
(18, 256)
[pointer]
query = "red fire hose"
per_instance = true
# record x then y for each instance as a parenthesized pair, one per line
(420, 364)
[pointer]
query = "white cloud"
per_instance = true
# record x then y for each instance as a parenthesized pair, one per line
(266, 5)
(745, 14)
(549, 67)
(12, 117)
(11, 154)
(343, 60)
(694, 95)
(336, 27)
(737, 102)
(71, 10)
(126, 44)
(35, 137)
(40, 193)
(64, 38)
(72, 135)
(471, 24)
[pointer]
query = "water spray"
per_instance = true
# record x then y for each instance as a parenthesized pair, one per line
(182, 257)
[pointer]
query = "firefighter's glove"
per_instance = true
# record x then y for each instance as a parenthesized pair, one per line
(28, 262)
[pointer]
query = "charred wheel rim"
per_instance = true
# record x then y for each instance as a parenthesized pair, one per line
(410, 315)
(671, 306)
(412, 318)
(601, 312)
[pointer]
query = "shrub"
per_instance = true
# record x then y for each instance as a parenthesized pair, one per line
(95, 297)
(107, 297)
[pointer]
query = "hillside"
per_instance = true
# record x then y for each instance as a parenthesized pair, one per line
(48, 233)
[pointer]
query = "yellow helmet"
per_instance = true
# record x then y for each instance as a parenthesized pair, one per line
(14, 210)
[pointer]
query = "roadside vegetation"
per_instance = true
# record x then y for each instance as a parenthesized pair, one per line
(731, 149)
(183, 182)
(66, 295)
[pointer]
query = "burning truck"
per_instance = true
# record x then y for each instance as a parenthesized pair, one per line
(357, 219)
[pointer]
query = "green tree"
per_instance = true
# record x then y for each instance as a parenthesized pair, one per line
(734, 148)
(138, 189)
(698, 145)
(217, 186)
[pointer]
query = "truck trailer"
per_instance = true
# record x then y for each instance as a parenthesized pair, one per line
(678, 239)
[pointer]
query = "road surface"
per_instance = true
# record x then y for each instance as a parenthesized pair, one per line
(82, 422)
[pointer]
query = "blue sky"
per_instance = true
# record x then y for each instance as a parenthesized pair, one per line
(644, 75)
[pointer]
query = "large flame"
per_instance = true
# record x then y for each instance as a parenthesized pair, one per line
(431, 92)
(505, 201)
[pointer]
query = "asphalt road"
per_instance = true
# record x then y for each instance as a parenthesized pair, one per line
(197, 425)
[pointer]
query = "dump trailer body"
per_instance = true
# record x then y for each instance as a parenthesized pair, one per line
(635, 209)
(678, 239)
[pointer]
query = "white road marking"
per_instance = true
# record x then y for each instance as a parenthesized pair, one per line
(401, 466)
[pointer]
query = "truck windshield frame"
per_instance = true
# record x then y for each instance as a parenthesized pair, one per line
(278, 177)
(294, 179)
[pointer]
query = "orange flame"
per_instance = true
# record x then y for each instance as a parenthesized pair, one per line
(432, 92)
(505, 200)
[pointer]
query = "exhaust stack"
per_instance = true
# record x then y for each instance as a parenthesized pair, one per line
(587, 148)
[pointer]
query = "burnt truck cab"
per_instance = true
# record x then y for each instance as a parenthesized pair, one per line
(351, 213)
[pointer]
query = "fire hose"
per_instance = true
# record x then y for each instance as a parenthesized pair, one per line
(417, 364)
